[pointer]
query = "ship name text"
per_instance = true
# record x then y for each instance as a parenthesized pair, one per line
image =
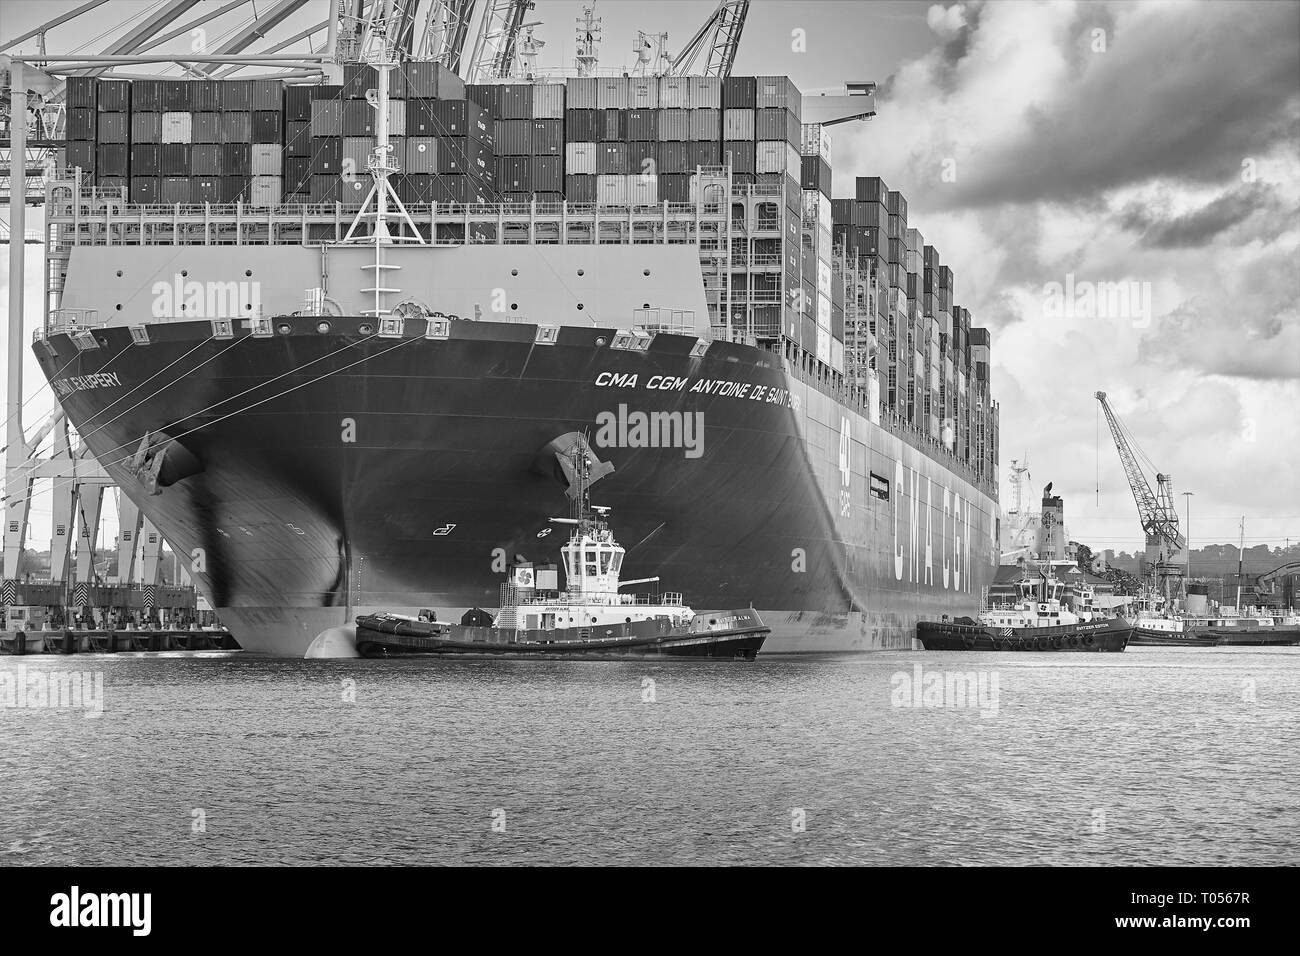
(914, 556)
(80, 383)
(764, 394)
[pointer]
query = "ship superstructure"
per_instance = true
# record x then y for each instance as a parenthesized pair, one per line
(338, 421)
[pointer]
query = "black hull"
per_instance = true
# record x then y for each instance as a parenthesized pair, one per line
(1218, 637)
(324, 475)
(1105, 636)
(379, 636)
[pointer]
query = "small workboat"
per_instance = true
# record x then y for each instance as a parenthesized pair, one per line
(1035, 622)
(591, 618)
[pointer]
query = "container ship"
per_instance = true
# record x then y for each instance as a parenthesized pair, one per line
(342, 379)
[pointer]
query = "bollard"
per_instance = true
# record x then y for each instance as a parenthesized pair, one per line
(69, 642)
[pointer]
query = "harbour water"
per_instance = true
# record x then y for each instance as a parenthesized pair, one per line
(1154, 756)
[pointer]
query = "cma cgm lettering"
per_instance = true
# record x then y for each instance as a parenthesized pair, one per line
(909, 563)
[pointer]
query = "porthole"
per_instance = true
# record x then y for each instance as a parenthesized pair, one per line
(579, 306)
(514, 272)
(119, 273)
(365, 328)
(322, 327)
(249, 272)
(284, 328)
(514, 306)
(600, 341)
(645, 272)
(119, 307)
(185, 272)
(580, 272)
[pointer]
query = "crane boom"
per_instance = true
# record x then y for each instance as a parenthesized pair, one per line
(1158, 515)
(720, 34)
(494, 48)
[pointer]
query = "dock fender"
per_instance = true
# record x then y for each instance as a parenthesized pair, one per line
(334, 643)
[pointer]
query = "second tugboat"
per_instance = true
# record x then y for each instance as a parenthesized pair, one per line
(590, 619)
(1035, 623)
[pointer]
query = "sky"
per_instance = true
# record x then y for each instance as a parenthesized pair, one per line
(1048, 150)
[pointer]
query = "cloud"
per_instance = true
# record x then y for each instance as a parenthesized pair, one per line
(946, 21)
(1199, 227)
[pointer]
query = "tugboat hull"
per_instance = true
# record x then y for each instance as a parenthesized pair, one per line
(730, 635)
(1108, 635)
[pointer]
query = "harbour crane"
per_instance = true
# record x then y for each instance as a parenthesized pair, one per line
(718, 39)
(1156, 511)
(497, 46)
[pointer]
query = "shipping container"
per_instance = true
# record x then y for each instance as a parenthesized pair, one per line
(112, 127)
(112, 96)
(204, 127)
(706, 93)
(612, 126)
(145, 95)
(236, 158)
(548, 101)
(777, 92)
(79, 92)
(675, 158)
(580, 189)
(773, 124)
(175, 95)
(611, 94)
(738, 124)
(460, 155)
(771, 157)
(120, 185)
(266, 159)
(297, 175)
(580, 126)
(326, 156)
(356, 151)
(236, 127)
(516, 101)
(611, 189)
(297, 104)
(487, 95)
(705, 154)
(433, 81)
(514, 137)
(896, 203)
(175, 189)
(352, 191)
(643, 93)
(642, 124)
(237, 96)
(458, 189)
(816, 174)
(205, 96)
(611, 159)
(642, 190)
(205, 160)
(325, 188)
(740, 155)
(514, 173)
(674, 93)
(357, 78)
(297, 138)
(580, 159)
(265, 191)
(111, 159)
(205, 189)
(81, 124)
(146, 190)
(739, 92)
(871, 189)
(358, 118)
(706, 124)
(266, 127)
(643, 158)
(463, 118)
(674, 125)
(415, 189)
(815, 140)
(548, 138)
(235, 189)
(80, 154)
(674, 187)
(582, 93)
(421, 155)
(174, 160)
(420, 119)
(326, 118)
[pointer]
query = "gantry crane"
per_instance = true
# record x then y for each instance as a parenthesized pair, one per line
(1156, 511)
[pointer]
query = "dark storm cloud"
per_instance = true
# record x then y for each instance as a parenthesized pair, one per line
(1201, 226)
(1182, 92)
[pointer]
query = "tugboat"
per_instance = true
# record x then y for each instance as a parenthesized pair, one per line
(590, 619)
(1034, 623)
(1198, 625)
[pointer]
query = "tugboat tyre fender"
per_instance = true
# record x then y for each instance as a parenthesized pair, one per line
(1087, 640)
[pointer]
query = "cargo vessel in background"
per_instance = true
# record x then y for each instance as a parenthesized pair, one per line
(351, 396)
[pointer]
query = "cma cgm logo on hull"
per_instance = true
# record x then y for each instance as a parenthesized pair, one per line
(954, 571)
(205, 300)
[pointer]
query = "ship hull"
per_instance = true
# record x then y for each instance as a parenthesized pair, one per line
(315, 476)
(1110, 635)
